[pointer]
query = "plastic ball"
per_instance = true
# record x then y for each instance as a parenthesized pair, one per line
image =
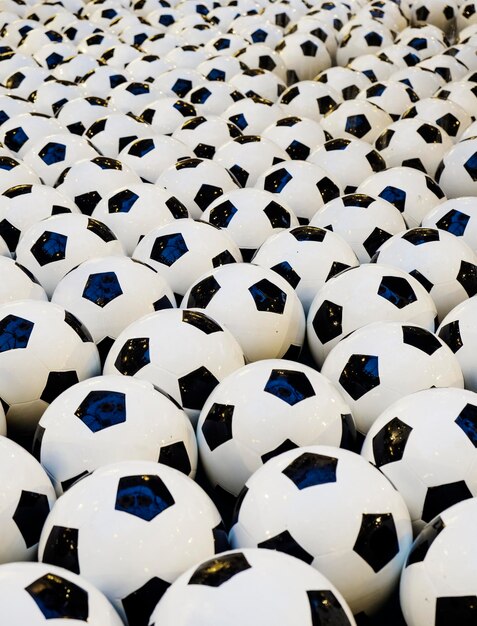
(150, 155)
(18, 283)
(377, 67)
(446, 114)
(112, 528)
(252, 116)
(363, 221)
(132, 211)
(20, 132)
(267, 317)
(260, 56)
(205, 134)
(24, 80)
(421, 80)
(466, 15)
(307, 503)
(197, 183)
(311, 99)
(146, 67)
(108, 419)
(461, 93)
(456, 216)
(178, 82)
(457, 172)
(69, 597)
(450, 68)
(23, 205)
(11, 106)
(304, 56)
(394, 443)
(440, 13)
(46, 350)
(99, 81)
(167, 114)
(280, 584)
(258, 83)
(73, 68)
(362, 295)
(213, 97)
(385, 361)
(348, 161)
(344, 80)
(356, 119)
(298, 407)
(428, 41)
(437, 581)
(298, 136)
(113, 131)
(411, 191)
(391, 95)
(367, 38)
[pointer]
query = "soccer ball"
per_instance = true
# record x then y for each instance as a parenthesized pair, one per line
(182, 352)
(24, 80)
(456, 216)
(253, 115)
(18, 283)
(356, 119)
(363, 221)
(282, 586)
(266, 317)
(182, 250)
(335, 511)
(344, 80)
(50, 248)
(146, 67)
(178, 82)
(249, 216)
(466, 15)
(258, 83)
(260, 56)
(51, 95)
(221, 67)
(361, 295)
(462, 92)
(422, 81)
(214, 97)
(262, 410)
(109, 293)
(27, 497)
(197, 183)
(45, 350)
(102, 525)
(298, 136)
(303, 186)
(365, 38)
(391, 95)
(444, 264)
(167, 114)
(446, 114)
(428, 41)
(20, 132)
(348, 161)
(111, 132)
(310, 99)
(457, 172)
(440, 13)
(78, 114)
(438, 581)
(409, 441)
(411, 191)
(304, 56)
(108, 419)
(449, 67)
(99, 81)
(382, 362)
(247, 156)
(204, 135)
(36, 593)
(457, 330)
(150, 155)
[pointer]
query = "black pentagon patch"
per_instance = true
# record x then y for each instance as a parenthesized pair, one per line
(176, 208)
(86, 202)
(49, 248)
(52, 153)
(357, 125)
(284, 542)
(376, 161)
(377, 541)
(102, 288)
(102, 409)
(14, 333)
(222, 214)
(240, 174)
(429, 133)
(167, 249)
(162, 303)
(298, 151)
(122, 202)
(223, 258)
(239, 120)
(133, 356)
(202, 293)
(59, 598)
(309, 48)
(216, 74)
(454, 222)
(308, 233)
(200, 321)
(416, 163)
(219, 570)
(141, 147)
(462, 609)
(15, 139)
(79, 328)
(217, 426)
(424, 540)
(206, 195)
(395, 196)
(467, 277)
(422, 279)
(100, 230)
(310, 470)
(449, 123)
(290, 95)
(285, 270)
(10, 234)
(328, 189)
(268, 297)
(421, 339)
(434, 187)
(139, 605)
(360, 200)
(30, 515)
(175, 455)
(360, 375)
(375, 240)
(422, 13)
(397, 291)
(327, 321)
(325, 104)
(57, 383)
(467, 421)
(285, 446)
(277, 180)
(204, 151)
(450, 334)
(384, 139)
(61, 548)
(181, 87)
(291, 386)
(442, 497)
(326, 609)
(144, 496)
(277, 215)
(196, 387)
(390, 442)
(471, 166)
(373, 39)
(69, 482)
(336, 268)
(419, 236)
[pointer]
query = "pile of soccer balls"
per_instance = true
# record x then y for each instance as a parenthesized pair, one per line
(238, 312)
